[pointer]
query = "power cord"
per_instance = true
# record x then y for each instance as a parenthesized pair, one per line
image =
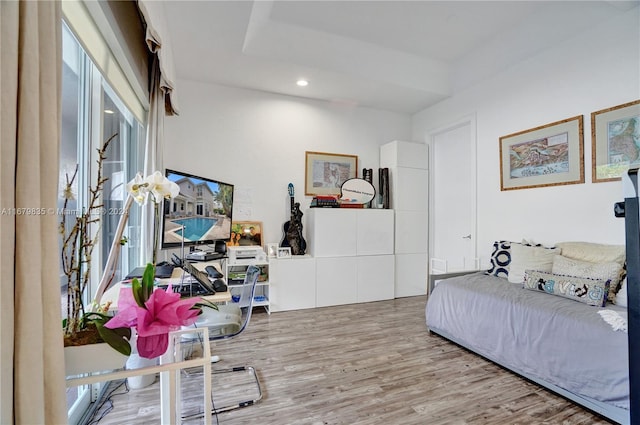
(106, 400)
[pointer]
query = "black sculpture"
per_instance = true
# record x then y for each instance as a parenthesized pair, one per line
(294, 233)
(293, 228)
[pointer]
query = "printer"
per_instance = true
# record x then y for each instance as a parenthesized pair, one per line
(239, 254)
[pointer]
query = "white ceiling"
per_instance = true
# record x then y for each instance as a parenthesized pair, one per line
(395, 55)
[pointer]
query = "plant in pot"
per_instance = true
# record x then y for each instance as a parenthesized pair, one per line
(84, 326)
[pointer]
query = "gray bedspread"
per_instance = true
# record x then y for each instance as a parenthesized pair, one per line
(558, 340)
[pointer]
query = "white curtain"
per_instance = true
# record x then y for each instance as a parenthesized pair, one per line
(153, 159)
(32, 381)
(159, 44)
(162, 102)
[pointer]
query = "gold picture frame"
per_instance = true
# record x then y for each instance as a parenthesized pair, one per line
(324, 172)
(613, 150)
(548, 155)
(245, 233)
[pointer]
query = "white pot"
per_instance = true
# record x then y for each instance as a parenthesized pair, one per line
(137, 362)
(92, 358)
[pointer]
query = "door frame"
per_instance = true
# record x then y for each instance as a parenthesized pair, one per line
(469, 120)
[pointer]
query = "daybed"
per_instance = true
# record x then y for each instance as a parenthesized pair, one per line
(557, 340)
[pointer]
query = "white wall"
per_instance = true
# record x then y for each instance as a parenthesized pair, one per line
(593, 71)
(257, 141)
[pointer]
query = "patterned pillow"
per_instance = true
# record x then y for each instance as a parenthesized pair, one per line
(589, 291)
(611, 271)
(618, 287)
(500, 259)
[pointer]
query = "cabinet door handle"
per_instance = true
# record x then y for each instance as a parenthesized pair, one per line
(467, 237)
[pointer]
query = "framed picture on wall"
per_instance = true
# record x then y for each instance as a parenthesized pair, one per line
(245, 233)
(548, 155)
(614, 132)
(324, 173)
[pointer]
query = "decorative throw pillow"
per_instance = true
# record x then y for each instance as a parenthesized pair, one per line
(593, 252)
(610, 271)
(621, 296)
(500, 259)
(616, 288)
(589, 291)
(529, 258)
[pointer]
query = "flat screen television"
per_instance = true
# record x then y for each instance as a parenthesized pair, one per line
(202, 211)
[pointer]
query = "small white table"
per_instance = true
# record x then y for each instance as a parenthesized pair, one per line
(168, 383)
(171, 363)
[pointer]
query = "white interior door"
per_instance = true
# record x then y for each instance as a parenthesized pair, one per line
(452, 203)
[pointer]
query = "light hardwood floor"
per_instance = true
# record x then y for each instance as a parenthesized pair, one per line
(371, 363)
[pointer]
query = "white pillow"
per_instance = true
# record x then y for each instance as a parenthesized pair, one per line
(593, 252)
(529, 258)
(621, 296)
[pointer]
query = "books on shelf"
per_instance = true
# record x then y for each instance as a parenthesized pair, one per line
(324, 201)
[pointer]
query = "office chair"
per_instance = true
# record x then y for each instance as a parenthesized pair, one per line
(229, 321)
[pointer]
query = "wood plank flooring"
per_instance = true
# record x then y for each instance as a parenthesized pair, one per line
(371, 363)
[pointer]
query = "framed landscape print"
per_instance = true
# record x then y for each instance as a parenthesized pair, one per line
(615, 134)
(324, 173)
(548, 155)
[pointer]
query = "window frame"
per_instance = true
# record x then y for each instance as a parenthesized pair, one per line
(93, 88)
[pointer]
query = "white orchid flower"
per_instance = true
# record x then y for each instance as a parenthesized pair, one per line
(175, 189)
(161, 187)
(139, 189)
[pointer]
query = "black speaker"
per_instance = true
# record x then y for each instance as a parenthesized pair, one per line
(220, 247)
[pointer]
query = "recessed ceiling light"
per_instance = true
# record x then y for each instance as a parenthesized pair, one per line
(302, 83)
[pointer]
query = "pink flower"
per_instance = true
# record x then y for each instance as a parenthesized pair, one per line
(163, 312)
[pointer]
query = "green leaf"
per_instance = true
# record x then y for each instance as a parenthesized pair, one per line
(148, 277)
(95, 318)
(136, 290)
(117, 338)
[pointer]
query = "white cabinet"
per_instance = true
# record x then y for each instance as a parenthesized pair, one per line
(235, 272)
(411, 274)
(375, 278)
(408, 174)
(292, 283)
(336, 281)
(408, 188)
(359, 279)
(411, 230)
(331, 232)
(350, 260)
(374, 233)
(337, 232)
(404, 154)
(354, 254)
